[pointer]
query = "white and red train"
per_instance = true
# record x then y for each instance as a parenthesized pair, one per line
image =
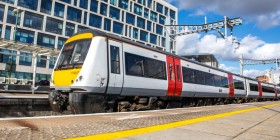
(99, 72)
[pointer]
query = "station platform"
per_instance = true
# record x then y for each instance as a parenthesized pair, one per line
(23, 96)
(258, 120)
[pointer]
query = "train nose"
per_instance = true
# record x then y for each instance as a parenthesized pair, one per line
(65, 77)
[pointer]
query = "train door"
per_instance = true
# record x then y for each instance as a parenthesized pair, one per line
(260, 89)
(231, 85)
(115, 67)
(174, 77)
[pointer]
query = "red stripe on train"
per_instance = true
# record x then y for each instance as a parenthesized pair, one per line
(170, 76)
(260, 89)
(174, 77)
(230, 85)
(178, 77)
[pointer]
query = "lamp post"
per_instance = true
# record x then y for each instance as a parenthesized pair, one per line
(17, 11)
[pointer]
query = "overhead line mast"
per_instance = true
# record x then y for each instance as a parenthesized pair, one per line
(174, 31)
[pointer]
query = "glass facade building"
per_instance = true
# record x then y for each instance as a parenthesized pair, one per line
(50, 22)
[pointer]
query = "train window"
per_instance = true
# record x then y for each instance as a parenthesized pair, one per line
(188, 75)
(268, 89)
(154, 69)
(134, 65)
(178, 73)
(74, 53)
(209, 79)
(115, 59)
(200, 78)
(217, 80)
(253, 87)
(224, 82)
(238, 84)
(144, 67)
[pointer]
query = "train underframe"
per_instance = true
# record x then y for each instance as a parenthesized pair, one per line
(83, 103)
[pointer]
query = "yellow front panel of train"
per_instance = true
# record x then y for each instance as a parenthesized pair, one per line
(65, 77)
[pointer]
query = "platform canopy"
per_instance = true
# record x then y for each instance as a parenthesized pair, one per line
(26, 47)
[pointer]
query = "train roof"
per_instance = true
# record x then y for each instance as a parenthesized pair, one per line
(96, 32)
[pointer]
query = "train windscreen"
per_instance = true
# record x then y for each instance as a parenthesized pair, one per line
(73, 54)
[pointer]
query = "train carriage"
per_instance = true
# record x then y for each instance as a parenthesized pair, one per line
(99, 72)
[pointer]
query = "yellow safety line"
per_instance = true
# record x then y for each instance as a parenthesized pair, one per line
(138, 131)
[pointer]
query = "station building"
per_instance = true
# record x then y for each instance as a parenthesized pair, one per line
(49, 23)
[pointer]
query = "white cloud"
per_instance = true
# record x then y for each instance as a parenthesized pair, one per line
(250, 47)
(229, 68)
(253, 73)
(259, 11)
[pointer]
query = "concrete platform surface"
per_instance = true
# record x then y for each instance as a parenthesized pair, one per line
(237, 121)
(22, 96)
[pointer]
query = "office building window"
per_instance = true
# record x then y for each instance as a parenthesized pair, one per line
(11, 17)
(113, 2)
(118, 27)
(85, 17)
(114, 13)
(32, 20)
(45, 40)
(123, 4)
(143, 2)
(52, 62)
(159, 29)
(163, 43)
(24, 36)
(150, 2)
(107, 24)
(144, 36)
(159, 8)
(46, 6)
(141, 22)
(161, 19)
(1, 30)
(67, 1)
(130, 19)
(153, 38)
(153, 16)
(80, 28)
(172, 14)
(166, 11)
(138, 9)
(5, 58)
(103, 9)
(25, 59)
(30, 4)
(60, 42)
(74, 14)
(146, 13)
(42, 61)
(95, 21)
(70, 29)
(94, 6)
(135, 33)
(8, 32)
(84, 4)
(149, 25)
(59, 10)
(54, 25)
(2, 9)
(8, 1)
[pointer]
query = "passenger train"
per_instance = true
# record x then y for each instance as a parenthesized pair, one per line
(100, 72)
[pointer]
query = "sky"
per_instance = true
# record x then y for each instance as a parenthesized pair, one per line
(259, 34)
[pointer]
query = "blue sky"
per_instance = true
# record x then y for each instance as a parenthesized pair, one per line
(259, 34)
